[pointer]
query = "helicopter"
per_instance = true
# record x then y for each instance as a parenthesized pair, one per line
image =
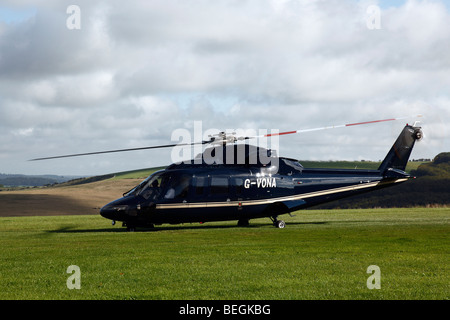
(231, 181)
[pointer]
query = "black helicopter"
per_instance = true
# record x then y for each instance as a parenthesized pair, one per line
(230, 181)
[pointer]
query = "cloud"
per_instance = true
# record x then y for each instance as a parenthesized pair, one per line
(133, 74)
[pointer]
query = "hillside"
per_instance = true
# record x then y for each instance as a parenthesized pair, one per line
(64, 200)
(430, 188)
(439, 168)
(21, 180)
(76, 197)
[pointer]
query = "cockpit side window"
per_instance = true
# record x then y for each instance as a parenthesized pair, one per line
(151, 188)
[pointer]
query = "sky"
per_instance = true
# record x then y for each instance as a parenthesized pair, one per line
(113, 76)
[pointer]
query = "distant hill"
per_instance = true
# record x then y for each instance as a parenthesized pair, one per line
(439, 168)
(133, 174)
(430, 188)
(21, 180)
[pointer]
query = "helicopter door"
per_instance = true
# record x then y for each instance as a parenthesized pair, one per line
(237, 191)
(237, 185)
(219, 188)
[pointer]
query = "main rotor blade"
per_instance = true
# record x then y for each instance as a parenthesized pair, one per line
(119, 150)
(223, 140)
(331, 127)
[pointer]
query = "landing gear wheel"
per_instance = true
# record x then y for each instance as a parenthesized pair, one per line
(279, 224)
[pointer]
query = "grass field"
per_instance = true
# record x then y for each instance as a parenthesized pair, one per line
(319, 255)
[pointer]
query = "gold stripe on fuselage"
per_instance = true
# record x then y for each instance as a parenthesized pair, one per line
(272, 200)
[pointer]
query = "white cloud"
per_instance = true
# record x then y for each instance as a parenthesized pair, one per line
(135, 73)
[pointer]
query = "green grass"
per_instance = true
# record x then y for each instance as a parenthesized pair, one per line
(321, 254)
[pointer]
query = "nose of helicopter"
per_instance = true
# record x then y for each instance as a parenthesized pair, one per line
(114, 211)
(107, 212)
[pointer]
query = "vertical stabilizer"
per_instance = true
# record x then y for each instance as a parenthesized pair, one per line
(398, 156)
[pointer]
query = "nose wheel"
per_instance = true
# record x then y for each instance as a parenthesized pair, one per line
(278, 223)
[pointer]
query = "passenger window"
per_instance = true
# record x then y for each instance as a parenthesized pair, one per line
(219, 185)
(200, 184)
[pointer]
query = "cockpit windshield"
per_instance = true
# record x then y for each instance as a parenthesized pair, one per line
(149, 188)
(294, 164)
(162, 185)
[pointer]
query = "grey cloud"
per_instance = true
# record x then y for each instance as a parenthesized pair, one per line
(136, 72)
(42, 46)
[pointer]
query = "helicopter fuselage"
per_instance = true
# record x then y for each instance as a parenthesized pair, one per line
(242, 193)
(198, 191)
